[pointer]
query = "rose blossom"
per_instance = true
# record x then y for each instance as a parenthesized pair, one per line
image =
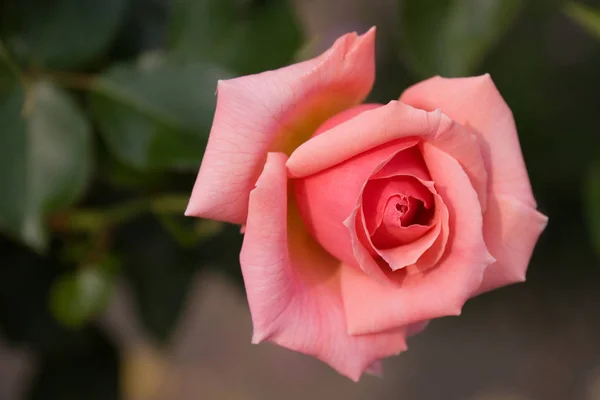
(363, 222)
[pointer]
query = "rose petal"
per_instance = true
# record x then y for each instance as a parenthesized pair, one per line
(407, 254)
(393, 121)
(389, 236)
(375, 369)
(293, 284)
(440, 291)
(475, 102)
(275, 111)
(367, 130)
(511, 230)
(408, 162)
(434, 253)
(326, 199)
(417, 256)
(410, 253)
(361, 247)
(378, 192)
(512, 225)
(345, 116)
(416, 328)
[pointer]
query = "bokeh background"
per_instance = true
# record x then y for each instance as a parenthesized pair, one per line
(107, 292)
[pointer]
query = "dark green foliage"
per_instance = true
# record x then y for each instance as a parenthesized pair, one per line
(451, 37)
(245, 36)
(105, 109)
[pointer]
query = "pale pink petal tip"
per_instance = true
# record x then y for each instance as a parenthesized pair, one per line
(250, 112)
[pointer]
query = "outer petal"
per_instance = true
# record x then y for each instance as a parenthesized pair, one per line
(293, 284)
(393, 121)
(439, 291)
(475, 102)
(414, 329)
(375, 369)
(275, 111)
(511, 230)
(511, 223)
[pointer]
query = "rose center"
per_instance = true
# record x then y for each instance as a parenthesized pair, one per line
(403, 210)
(401, 207)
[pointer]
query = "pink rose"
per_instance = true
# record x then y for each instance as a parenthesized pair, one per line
(363, 222)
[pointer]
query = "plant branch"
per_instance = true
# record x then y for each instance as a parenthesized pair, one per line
(95, 220)
(70, 80)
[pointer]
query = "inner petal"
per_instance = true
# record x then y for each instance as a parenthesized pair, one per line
(407, 162)
(403, 210)
(405, 219)
(398, 201)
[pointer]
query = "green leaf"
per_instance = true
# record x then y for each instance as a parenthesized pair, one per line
(13, 156)
(60, 33)
(144, 28)
(588, 18)
(45, 155)
(156, 114)
(451, 37)
(247, 36)
(114, 172)
(60, 147)
(592, 197)
(76, 298)
(159, 272)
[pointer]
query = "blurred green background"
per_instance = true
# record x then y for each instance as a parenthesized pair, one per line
(105, 109)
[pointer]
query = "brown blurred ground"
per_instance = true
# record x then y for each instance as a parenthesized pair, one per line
(506, 345)
(513, 344)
